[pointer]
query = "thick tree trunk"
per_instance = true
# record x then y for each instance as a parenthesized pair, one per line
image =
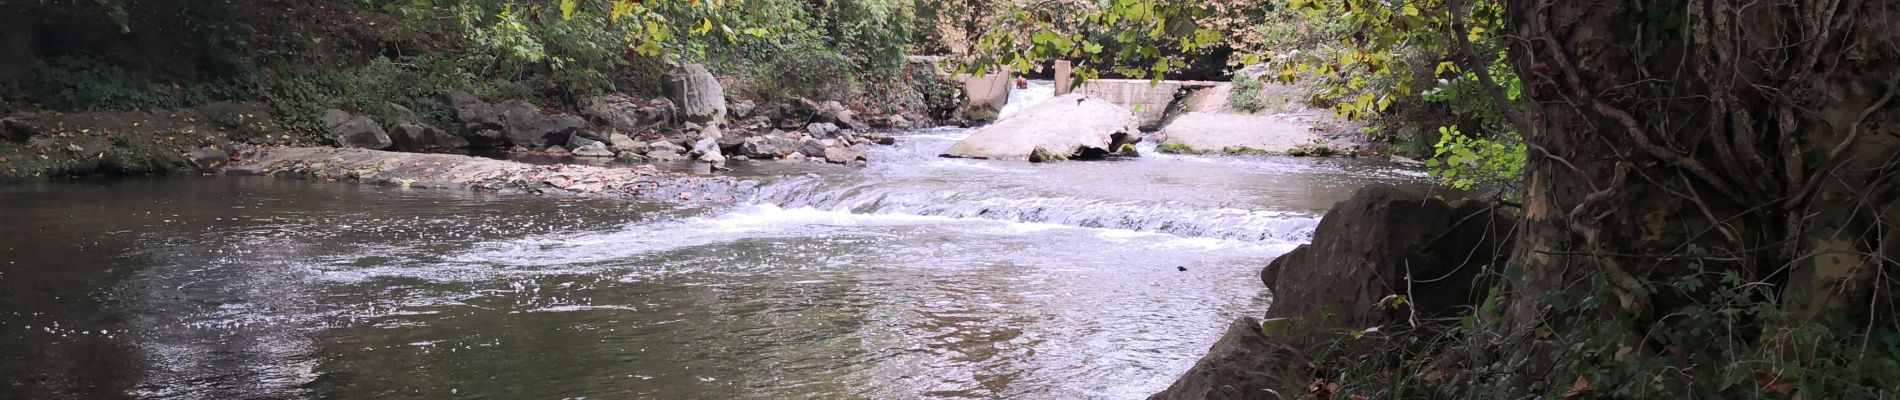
(1754, 137)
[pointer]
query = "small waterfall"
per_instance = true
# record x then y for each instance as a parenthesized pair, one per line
(1023, 98)
(1022, 206)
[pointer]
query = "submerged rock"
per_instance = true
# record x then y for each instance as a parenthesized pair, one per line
(1066, 127)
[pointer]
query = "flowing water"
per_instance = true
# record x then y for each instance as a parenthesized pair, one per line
(915, 277)
(1021, 98)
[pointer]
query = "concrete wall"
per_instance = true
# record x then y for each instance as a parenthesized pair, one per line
(991, 90)
(1148, 99)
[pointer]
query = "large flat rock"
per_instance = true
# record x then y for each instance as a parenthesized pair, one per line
(1237, 133)
(1067, 126)
(449, 171)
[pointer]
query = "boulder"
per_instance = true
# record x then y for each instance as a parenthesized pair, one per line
(526, 126)
(1066, 127)
(481, 121)
(761, 147)
(664, 156)
(581, 139)
(696, 95)
(592, 149)
(844, 155)
(814, 148)
(410, 133)
(1381, 242)
(822, 130)
(1366, 246)
(18, 130)
(622, 114)
(623, 143)
(743, 109)
(416, 138)
(1242, 365)
(666, 146)
(705, 146)
(878, 138)
(631, 158)
(354, 131)
(1236, 133)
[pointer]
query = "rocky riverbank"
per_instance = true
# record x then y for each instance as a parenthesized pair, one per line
(694, 122)
(448, 171)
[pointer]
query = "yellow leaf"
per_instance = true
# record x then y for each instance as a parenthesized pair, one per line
(1410, 10)
(1476, 33)
(567, 9)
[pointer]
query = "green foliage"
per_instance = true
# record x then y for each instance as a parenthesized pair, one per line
(1726, 337)
(1467, 162)
(1137, 38)
(1246, 94)
(84, 84)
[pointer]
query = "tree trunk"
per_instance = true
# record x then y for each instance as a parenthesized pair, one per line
(1754, 137)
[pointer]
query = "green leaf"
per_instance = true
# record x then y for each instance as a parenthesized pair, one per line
(568, 8)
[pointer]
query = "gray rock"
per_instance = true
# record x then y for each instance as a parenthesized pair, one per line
(878, 138)
(794, 157)
(664, 156)
(844, 155)
(705, 146)
(415, 137)
(713, 158)
(593, 149)
(481, 122)
(1066, 127)
(623, 115)
(624, 143)
(822, 130)
(527, 126)
(354, 131)
(762, 147)
(580, 139)
(665, 146)
(696, 95)
(814, 148)
(18, 131)
(629, 156)
(743, 109)
(844, 118)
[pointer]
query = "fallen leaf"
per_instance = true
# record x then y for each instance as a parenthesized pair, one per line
(1578, 389)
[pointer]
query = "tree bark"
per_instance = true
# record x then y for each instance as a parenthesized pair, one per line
(1754, 137)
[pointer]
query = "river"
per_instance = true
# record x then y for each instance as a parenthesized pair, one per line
(914, 277)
